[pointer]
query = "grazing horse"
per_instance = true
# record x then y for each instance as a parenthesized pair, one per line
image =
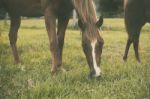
(137, 13)
(92, 42)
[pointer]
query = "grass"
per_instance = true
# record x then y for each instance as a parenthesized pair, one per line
(32, 79)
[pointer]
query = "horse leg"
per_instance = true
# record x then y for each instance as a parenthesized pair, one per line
(129, 41)
(15, 24)
(62, 25)
(133, 38)
(136, 46)
(50, 21)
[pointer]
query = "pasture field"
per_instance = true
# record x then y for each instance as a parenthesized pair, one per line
(32, 79)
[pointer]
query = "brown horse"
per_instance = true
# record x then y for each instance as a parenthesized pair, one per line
(137, 13)
(92, 42)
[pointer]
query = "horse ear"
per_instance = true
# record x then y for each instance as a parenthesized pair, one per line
(81, 25)
(99, 23)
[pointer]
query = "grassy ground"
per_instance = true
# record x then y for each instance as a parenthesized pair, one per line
(32, 79)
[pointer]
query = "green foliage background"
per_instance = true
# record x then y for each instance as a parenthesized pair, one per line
(110, 8)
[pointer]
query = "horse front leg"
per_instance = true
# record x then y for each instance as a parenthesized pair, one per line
(50, 21)
(14, 26)
(62, 25)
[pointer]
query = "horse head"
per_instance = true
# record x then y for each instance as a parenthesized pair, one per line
(92, 44)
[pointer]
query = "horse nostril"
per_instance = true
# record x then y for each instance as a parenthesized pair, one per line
(94, 75)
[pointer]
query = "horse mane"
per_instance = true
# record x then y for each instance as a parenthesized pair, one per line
(87, 14)
(86, 10)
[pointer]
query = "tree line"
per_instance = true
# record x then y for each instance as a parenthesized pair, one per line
(2, 13)
(110, 8)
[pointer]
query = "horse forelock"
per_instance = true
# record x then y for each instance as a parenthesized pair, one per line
(87, 14)
(86, 10)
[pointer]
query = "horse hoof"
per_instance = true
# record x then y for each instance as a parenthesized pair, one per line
(139, 61)
(17, 62)
(53, 71)
(125, 59)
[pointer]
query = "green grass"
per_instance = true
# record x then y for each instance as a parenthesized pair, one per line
(32, 79)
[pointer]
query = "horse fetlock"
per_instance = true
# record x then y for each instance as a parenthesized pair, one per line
(125, 58)
(17, 61)
(139, 60)
(55, 66)
(53, 69)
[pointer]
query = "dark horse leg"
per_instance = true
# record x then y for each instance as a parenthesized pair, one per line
(129, 41)
(136, 45)
(50, 21)
(133, 38)
(62, 25)
(15, 24)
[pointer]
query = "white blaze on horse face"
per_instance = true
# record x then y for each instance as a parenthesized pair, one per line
(96, 68)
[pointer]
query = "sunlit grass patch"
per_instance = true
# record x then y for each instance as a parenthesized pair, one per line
(32, 79)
